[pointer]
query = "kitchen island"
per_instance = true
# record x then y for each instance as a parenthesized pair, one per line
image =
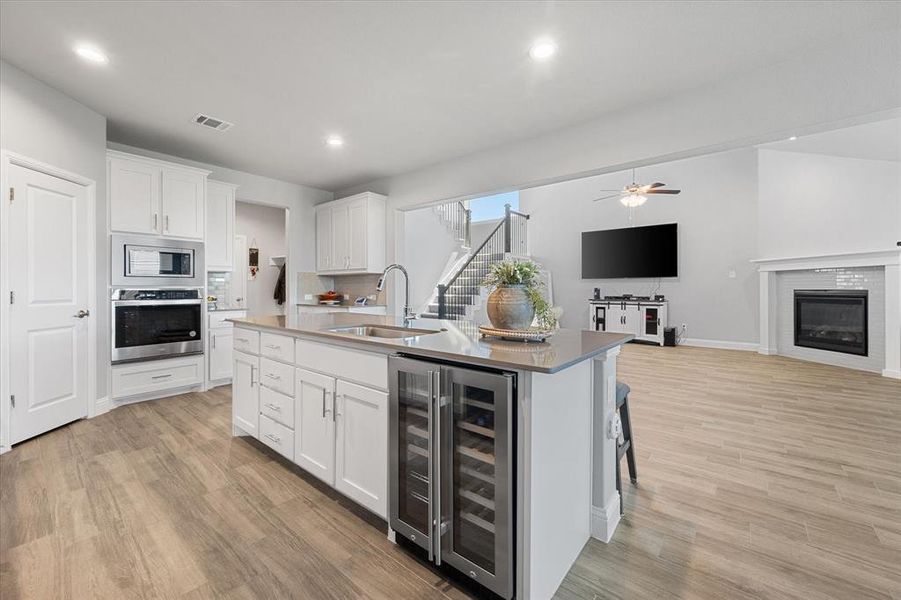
(336, 394)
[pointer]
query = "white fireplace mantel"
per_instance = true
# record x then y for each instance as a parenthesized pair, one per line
(889, 259)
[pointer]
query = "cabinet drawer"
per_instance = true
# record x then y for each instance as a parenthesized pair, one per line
(277, 436)
(218, 318)
(367, 368)
(279, 347)
(247, 340)
(157, 375)
(277, 376)
(277, 406)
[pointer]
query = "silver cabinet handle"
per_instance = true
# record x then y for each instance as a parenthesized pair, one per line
(274, 438)
(335, 412)
(243, 340)
(167, 223)
(162, 376)
(82, 314)
(273, 347)
(156, 219)
(252, 369)
(437, 522)
(273, 376)
(274, 407)
(213, 339)
(430, 470)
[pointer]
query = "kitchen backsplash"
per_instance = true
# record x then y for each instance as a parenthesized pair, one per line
(218, 283)
(352, 286)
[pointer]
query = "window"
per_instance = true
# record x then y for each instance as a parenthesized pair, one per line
(490, 208)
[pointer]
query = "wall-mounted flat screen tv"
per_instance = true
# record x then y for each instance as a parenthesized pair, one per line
(632, 252)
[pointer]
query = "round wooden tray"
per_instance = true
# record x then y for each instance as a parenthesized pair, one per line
(533, 334)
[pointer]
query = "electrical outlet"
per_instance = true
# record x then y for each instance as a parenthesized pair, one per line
(731, 273)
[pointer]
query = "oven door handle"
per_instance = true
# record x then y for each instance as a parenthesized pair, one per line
(196, 301)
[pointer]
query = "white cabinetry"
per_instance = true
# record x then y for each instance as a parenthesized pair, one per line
(644, 319)
(314, 424)
(155, 197)
(361, 445)
(246, 393)
(220, 226)
(155, 376)
(323, 407)
(220, 336)
(350, 235)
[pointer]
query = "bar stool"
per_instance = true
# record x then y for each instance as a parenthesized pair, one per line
(627, 446)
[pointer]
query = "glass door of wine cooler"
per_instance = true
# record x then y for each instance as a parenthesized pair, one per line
(475, 454)
(413, 392)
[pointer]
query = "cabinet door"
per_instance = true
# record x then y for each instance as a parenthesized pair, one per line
(324, 239)
(340, 241)
(246, 393)
(221, 353)
(357, 242)
(134, 196)
(614, 319)
(220, 226)
(632, 320)
(361, 446)
(183, 203)
(314, 424)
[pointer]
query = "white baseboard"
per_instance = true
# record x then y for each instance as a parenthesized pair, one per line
(4, 449)
(721, 344)
(604, 520)
(767, 351)
(101, 406)
(891, 373)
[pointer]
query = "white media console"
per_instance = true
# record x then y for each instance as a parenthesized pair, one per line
(645, 319)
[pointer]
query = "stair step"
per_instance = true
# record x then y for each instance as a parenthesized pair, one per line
(456, 309)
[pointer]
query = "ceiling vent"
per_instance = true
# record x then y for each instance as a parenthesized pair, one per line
(211, 122)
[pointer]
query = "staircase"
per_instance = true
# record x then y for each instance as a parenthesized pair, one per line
(457, 217)
(456, 297)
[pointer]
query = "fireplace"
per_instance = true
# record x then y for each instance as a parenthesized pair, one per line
(834, 320)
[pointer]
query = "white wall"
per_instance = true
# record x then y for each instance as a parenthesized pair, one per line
(300, 199)
(44, 124)
(716, 213)
(266, 225)
(430, 244)
(816, 204)
(813, 90)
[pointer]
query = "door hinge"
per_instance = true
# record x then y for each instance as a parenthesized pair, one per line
(12, 400)
(12, 297)
(12, 194)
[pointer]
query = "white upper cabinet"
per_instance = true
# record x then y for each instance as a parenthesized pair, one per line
(220, 225)
(350, 235)
(155, 197)
(134, 191)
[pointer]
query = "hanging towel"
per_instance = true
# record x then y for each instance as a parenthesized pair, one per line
(279, 294)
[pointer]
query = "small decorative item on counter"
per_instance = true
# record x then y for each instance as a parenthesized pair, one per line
(253, 260)
(516, 299)
(330, 297)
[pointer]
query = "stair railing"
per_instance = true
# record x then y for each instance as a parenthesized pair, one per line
(509, 236)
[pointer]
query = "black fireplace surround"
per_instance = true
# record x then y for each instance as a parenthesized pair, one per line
(834, 320)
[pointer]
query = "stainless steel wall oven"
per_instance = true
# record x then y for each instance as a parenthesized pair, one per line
(150, 324)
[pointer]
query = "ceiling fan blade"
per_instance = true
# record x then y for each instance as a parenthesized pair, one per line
(664, 192)
(607, 197)
(656, 185)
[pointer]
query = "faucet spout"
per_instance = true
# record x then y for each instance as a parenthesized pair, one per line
(409, 315)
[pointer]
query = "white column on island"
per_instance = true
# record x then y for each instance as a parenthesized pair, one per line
(604, 497)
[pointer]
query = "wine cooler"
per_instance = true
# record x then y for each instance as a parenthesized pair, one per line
(451, 467)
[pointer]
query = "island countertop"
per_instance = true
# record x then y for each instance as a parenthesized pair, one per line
(454, 340)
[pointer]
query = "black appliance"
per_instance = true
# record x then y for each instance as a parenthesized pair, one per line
(151, 324)
(669, 336)
(650, 251)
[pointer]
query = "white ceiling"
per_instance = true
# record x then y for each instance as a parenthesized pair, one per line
(874, 141)
(407, 84)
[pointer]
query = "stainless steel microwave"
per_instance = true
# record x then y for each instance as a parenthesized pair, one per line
(154, 261)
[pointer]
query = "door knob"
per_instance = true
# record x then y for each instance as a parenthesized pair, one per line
(82, 314)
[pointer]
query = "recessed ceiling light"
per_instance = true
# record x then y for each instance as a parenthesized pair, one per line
(335, 141)
(792, 138)
(542, 50)
(91, 54)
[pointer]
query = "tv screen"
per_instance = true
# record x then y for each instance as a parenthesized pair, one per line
(632, 252)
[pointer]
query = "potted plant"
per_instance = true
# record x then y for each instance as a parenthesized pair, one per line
(516, 297)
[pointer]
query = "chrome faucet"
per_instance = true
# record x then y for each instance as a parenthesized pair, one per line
(409, 315)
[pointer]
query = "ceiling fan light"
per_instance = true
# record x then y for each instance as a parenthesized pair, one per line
(633, 200)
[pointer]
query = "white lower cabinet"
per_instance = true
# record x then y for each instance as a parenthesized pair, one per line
(220, 353)
(246, 393)
(361, 445)
(311, 413)
(153, 376)
(314, 424)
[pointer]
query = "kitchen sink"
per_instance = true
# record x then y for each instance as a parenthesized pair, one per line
(383, 331)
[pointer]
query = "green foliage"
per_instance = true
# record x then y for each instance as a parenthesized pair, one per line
(525, 273)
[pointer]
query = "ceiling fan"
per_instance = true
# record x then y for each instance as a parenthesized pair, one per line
(636, 194)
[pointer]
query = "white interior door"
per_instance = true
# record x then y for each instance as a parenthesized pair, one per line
(48, 275)
(238, 286)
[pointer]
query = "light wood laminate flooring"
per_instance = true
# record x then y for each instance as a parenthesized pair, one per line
(759, 477)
